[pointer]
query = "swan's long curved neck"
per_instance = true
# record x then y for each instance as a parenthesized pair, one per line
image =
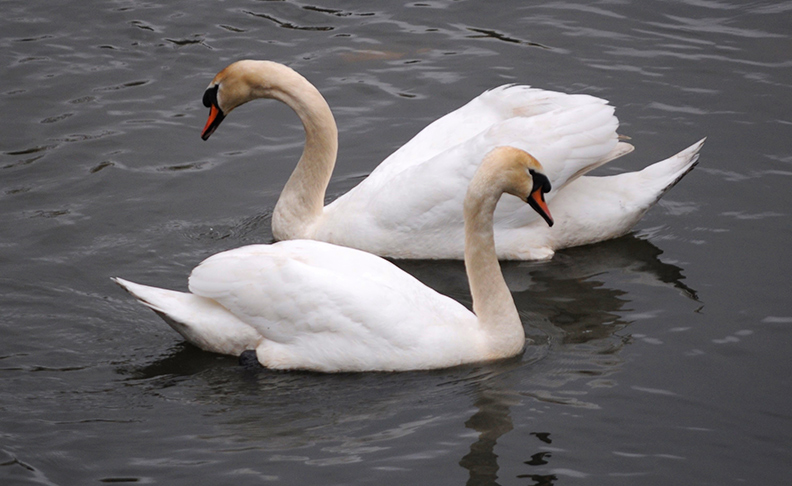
(492, 301)
(302, 201)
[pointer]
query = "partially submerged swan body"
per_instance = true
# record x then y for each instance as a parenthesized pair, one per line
(410, 206)
(311, 305)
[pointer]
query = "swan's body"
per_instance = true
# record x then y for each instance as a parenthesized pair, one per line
(306, 304)
(410, 206)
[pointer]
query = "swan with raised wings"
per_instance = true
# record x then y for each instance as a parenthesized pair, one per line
(410, 206)
(304, 304)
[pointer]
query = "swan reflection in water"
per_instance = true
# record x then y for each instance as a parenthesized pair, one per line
(570, 311)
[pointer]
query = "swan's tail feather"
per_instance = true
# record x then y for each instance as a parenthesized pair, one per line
(155, 298)
(594, 209)
(203, 322)
(667, 173)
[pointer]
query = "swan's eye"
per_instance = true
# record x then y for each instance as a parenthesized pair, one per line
(210, 96)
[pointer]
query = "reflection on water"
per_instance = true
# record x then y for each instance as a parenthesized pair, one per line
(491, 420)
(570, 299)
(572, 290)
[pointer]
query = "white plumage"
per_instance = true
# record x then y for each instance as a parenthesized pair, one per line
(305, 304)
(410, 206)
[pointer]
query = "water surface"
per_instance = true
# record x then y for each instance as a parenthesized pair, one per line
(658, 358)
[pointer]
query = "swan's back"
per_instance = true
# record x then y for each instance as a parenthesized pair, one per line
(411, 205)
(320, 306)
(481, 113)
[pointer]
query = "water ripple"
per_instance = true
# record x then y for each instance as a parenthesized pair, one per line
(492, 34)
(714, 25)
(288, 25)
(580, 7)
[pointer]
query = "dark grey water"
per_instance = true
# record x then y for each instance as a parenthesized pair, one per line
(660, 358)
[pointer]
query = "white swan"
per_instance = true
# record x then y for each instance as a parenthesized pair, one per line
(311, 305)
(410, 206)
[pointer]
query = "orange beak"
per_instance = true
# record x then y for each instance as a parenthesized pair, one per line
(537, 201)
(215, 117)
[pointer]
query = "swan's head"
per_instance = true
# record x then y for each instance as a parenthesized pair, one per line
(237, 84)
(524, 177)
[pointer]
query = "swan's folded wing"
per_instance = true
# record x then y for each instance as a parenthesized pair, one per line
(488, 109)
(428, 196)
(295, 291)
